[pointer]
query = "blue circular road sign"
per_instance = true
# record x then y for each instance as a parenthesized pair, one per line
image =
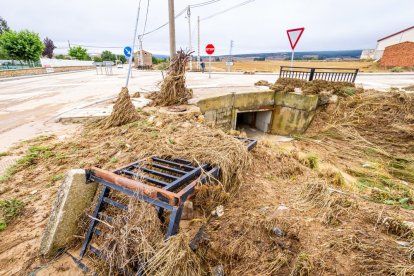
(127, 51)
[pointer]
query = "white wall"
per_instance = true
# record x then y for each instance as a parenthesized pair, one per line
(263, 120)
(402, 37)
(51, 62)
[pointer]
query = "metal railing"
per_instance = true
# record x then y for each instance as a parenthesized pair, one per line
(328, 74)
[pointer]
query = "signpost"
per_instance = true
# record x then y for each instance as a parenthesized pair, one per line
(209, 50)
(294, 36)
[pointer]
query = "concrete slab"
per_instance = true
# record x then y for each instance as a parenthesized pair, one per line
(81, 114)
(73, 198)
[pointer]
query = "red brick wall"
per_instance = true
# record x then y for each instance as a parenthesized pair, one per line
(401, 55)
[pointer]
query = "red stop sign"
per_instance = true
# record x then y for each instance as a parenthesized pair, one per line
(210, 49)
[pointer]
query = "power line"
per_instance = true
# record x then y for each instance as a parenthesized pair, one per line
(229, 9)
(203, 4)
(146, 18)
(181, 13)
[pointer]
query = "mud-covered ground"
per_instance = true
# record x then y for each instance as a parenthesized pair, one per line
(337, 200)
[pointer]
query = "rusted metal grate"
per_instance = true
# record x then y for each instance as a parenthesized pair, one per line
(165, 183)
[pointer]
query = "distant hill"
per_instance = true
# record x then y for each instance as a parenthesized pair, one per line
(320, 55)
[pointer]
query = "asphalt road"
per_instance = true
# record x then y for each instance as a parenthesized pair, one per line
(29, 106)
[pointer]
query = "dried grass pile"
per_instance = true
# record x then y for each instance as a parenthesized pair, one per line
(174, 257)
(132, 239)
(315, 87)
(123, 112)
(315, 193)
(262, 83)
(384, 121)
(173, 88)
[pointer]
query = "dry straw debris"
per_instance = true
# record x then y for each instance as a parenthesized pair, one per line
(173, 88)
(123, 112)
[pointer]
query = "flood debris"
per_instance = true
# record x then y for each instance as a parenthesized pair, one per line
(173, 88)
(331, 214)
(123, 111)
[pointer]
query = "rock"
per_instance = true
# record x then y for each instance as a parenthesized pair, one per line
(282, 208)
(333, 99)
(188, 211)
(159, 124)
(73, 198)
(218, 270)
(151, 119)
(186, 125)
(403, 243)
(277, 231)
(219, 211)
(324, 97)
(409, 224)
(298, 90)
(200, 119)
(366, 165)
(33, 192)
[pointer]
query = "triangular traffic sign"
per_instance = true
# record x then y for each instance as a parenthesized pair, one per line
(294, 36)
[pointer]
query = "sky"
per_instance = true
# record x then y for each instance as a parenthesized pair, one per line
(259, 26)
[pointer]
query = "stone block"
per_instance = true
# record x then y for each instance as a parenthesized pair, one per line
(73, 198)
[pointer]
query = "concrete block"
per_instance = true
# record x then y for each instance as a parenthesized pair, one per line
(73, 198)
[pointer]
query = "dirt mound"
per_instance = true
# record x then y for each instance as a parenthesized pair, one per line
(262, 83)
(123, 112)
(173, 88)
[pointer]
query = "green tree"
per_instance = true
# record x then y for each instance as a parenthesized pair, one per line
(108, 56)
(22, 46)
(97, 59)
(4, 27)
(122, 58)
(79, 53)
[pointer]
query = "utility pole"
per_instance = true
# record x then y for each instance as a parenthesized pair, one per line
(141, 52)
(171, 16)
(198, 43)
(132, 47)
(230, 59)
(189, 36)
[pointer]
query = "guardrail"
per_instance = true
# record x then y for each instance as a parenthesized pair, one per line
(328, 74)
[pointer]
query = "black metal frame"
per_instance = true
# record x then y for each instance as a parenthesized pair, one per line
(328, 74)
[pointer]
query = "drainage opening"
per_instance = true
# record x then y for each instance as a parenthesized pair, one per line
(253, 121)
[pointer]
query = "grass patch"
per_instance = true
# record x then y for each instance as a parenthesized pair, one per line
(402, 169)
(312, 161)
(9, 210)
(3, 154)
(34, 153)
(57, 177)
(303, 265)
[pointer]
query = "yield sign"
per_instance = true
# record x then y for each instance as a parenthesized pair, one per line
(294, 36)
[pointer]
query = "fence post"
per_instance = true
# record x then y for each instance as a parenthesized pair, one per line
(355, 75)
(312, 72)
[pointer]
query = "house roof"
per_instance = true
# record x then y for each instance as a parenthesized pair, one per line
(396, 33)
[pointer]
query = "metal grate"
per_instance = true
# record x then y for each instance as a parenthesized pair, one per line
(165, 183)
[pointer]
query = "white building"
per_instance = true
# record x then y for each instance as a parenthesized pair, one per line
(401, 36)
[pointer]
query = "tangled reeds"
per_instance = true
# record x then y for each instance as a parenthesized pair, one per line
(123, 111)
(173, 88)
